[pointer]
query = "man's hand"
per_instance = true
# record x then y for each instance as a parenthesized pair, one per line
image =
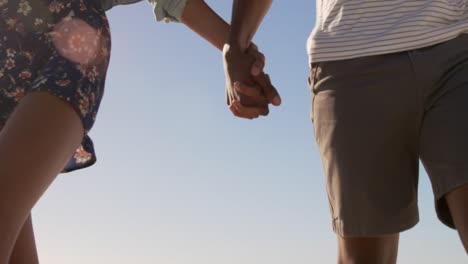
(248, 89)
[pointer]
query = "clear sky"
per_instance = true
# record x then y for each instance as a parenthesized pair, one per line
(179, 180)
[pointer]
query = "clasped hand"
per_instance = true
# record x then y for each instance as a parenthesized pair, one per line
(248, 89)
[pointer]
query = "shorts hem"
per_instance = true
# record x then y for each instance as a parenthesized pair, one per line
(357, 231)
(443, 188)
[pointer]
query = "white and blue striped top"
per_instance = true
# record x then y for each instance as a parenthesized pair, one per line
(348, 29)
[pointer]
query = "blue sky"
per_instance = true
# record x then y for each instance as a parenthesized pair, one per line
(179, 180)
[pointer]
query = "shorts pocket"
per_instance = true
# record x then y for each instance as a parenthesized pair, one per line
(312, 80)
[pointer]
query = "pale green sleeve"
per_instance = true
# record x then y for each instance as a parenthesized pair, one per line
(168, 10)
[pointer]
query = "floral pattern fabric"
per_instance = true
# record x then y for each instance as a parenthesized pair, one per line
(56, 46)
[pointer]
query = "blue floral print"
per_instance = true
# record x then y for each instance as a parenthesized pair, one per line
(56, 46)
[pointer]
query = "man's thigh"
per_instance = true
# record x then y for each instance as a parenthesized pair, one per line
(366, 124)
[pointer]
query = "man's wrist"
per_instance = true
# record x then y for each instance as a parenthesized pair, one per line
(236, 40)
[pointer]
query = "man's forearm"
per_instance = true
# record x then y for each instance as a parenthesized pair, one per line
(247, 16)
(200, 18)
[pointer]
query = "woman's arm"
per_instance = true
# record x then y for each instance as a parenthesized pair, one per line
(200, 18)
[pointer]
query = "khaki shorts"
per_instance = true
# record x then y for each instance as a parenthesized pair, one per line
(375, 118)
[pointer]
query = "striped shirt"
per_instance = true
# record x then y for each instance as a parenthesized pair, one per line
(346, 29)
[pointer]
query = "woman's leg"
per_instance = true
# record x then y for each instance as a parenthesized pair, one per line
(36, 142)
(24, 251)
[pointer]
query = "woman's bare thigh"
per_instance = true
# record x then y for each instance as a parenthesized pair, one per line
(36, 142)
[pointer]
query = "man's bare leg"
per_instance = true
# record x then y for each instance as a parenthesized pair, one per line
(368, 250)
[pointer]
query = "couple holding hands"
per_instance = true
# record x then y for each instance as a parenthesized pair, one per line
(389, 88)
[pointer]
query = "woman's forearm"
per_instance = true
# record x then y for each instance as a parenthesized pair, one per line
(200, 18)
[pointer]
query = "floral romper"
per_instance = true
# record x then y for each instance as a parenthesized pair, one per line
(56, 46)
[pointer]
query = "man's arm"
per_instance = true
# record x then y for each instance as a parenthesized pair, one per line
(199, 17)
(247, 16)
(214, 29)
